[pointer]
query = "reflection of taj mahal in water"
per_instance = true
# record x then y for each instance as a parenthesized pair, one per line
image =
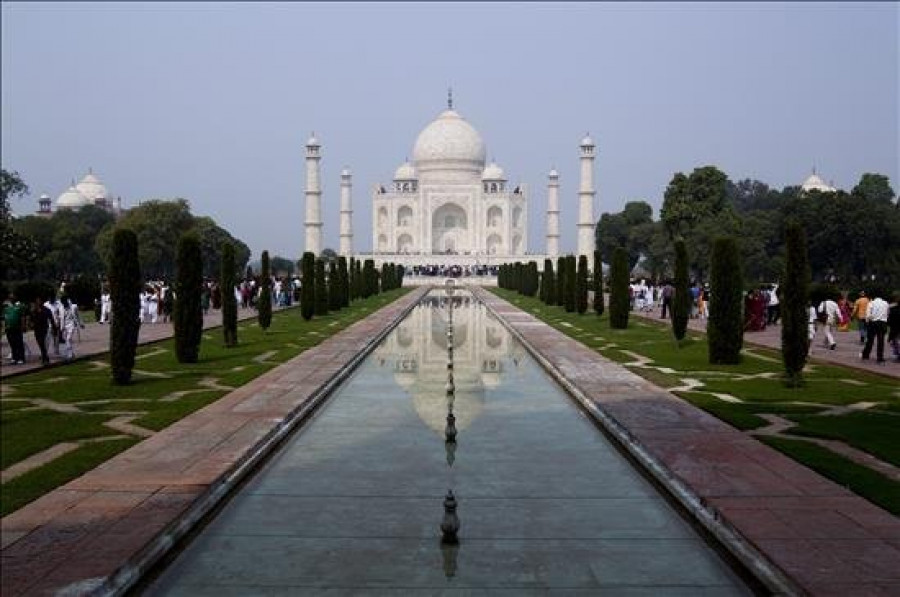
(448, 205)
(484, 355)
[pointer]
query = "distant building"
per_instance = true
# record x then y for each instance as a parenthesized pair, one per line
(89, 191)
(814, 183)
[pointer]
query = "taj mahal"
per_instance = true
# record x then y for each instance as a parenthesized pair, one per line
(448, 205)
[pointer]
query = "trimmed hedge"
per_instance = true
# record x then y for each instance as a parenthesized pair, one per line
(229, 302)
(619, 301)
(725, 329)
(124, 289)
(597, 283)
(264, 303)
(187, 318)
(795, 304)
(307, 285)
(681, 304)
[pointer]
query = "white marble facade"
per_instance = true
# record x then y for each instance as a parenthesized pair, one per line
(448, 201)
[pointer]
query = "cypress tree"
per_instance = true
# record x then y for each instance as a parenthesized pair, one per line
(598, 283)
(581, 285)
(385, 277)
(334, 287)
(681, 303)
(264, 303)
(351, 276)
(794, 304)
(725, 329)
(124, 288)
(560, 281)
(308, 285)
(569, 290)
(187, 318)
(550, 298)
(229, 302)
(344, 278)
(619, 303)
(369, 280)
(542, 295)
(401, 271)
(532, 278)
(360, 282)
(321, 298)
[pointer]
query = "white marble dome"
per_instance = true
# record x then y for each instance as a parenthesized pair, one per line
(815, 183)
(405, 172)
(493, 172)
(72, 198)
(91, 187)
(587, 141)
(449, 138)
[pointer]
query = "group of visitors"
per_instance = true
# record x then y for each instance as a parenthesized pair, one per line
(875, 319)
(454, 271)
(54, 322)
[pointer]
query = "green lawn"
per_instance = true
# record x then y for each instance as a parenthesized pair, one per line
(757, 383)
(163, 392)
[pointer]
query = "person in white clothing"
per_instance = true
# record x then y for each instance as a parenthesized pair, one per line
(153, 305)
(71, 321)
(105, 305)
(831, 311)
(812, 326)
(876, 324)
(55, 330)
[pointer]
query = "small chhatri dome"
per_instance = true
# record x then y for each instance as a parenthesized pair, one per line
(345, 171)
(587, 141)
(406, 171)
(815, 183)
(449, 138)
(553, 173)
(493, 172)
(91, 187)
(312, 142)
(72, 198)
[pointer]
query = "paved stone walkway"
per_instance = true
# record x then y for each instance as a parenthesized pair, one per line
(104, 528)
(846, 353)
(94, 340)
(822, 537)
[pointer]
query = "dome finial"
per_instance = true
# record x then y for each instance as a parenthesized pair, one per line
(449, 98)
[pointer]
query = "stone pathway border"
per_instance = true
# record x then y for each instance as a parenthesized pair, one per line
(799, 532)
(100, 533)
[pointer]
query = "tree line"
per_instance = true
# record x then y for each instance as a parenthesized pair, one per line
(850, 236)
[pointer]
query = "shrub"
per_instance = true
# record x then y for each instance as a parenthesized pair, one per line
(264, 306)
(570, 284)
(321, 298)
(307, 285)
(229, 303)
(581, 285)
(125, 287)
(619, 302)
(598, 283)
(794, 304)
(187, 318)
(681, 307)
(725, 329)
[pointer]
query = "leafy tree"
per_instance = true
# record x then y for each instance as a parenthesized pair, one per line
(308, 285)
(125, 286)
(321, 298)
(794, 305)
(691, 199)
(874, 188)
(597, 283)
(17, 249)
(725, 329)
(229, 302)
(344, 278)
(619, 301)
(681, 307)
(328, 255)
(334, 287)
(631, 228)
(581, 285)
(560, 281)
(188, 315)
(264, 305)
(281, 266)
(570, 285)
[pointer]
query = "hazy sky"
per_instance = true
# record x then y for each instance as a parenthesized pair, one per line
(214, 102)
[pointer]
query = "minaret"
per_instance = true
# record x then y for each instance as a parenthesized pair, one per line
(586, 200)
(313, 222)
(346, 214)
(553, 214)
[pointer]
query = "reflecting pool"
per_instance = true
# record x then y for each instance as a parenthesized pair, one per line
(358, 500)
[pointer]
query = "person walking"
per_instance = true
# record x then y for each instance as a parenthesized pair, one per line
(13, 320)
(42, 323)
(894, 327)
(71, 321)
(831, 312)
(811, 330)
(105, 305)
(876, 327)
(55, 331)
(860, 306)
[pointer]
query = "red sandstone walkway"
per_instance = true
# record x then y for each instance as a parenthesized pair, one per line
(124, 513)
(846, 353)
(94, 340)
(825, 539)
